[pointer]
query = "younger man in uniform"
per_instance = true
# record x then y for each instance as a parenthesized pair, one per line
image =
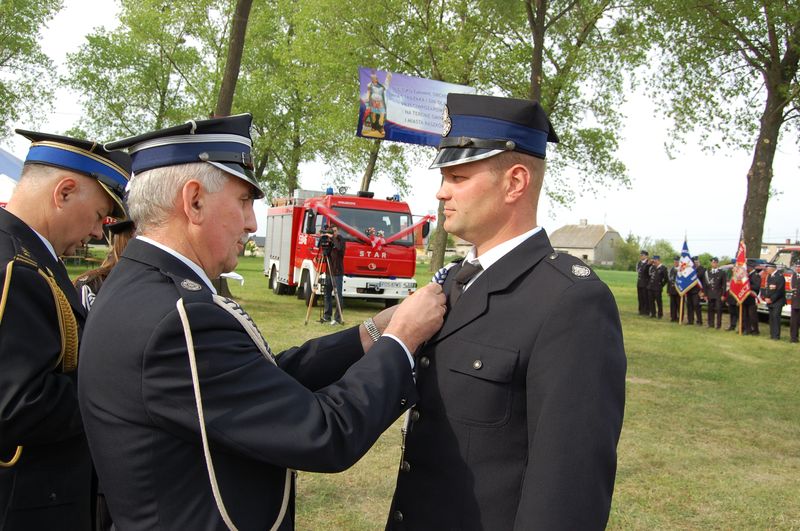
(716, 284)
(658, 277)
(522, 390)
(672, 291)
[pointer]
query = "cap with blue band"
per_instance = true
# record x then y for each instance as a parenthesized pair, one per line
(223, 142)
(477, 127)
(112, 170)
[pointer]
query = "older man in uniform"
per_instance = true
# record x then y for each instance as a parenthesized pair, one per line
(522, 390)
(716, 284)
(192, 422)
(68, 187)
(658, 277)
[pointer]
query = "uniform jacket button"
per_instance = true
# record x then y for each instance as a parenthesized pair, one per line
(403, 401)
(398, 516)
(424, 362)
(52, 497)
(477, 364)
(405, 466)
(414, 416)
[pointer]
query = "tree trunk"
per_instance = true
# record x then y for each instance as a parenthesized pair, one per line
(536, 20)
(759, 177)
(439, 245)
(232, 65)
(366, 180)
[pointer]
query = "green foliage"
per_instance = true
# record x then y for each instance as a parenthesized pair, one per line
(159, 68)
(25, 72)
(626, 252)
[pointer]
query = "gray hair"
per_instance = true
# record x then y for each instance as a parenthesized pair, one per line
(151, 196)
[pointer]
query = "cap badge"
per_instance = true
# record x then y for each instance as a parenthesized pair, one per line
(447, 124)
(190, 285)
(580, 270)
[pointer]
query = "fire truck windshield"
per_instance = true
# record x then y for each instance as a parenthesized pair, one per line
(388, 223)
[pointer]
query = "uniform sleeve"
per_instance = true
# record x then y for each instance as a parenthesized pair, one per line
(575, 396)
(37, 404)
(256, 409)
(321, 362)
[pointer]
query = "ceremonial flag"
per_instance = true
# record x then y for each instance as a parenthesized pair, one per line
(687, 276)
(740, 283)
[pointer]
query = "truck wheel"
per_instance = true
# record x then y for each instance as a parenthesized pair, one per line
(277, 287)
(271, 279)
(388, 303)
(305, 290)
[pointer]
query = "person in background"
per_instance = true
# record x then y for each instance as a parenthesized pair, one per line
(191, 420)
(794, 319)
(334, 277)
(775, 297)
(88, 284)
(642, 278)
(68, 187)
(716, 284)
(522, 391)
(672, 291)
(694, 310)
(658, 277)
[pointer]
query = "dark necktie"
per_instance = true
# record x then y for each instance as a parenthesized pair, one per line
(462, 278)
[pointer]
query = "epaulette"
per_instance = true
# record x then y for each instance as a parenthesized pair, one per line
(190, 290)
(570, 266)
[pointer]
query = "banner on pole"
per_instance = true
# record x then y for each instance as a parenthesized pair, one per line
(686, 278)
(740, 283)
(402, 108)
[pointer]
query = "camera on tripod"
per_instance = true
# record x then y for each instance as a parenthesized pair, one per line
(325, 241)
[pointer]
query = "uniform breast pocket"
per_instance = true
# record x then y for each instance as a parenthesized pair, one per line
(477, 383)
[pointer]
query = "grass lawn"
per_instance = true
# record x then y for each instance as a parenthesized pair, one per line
(711, 438)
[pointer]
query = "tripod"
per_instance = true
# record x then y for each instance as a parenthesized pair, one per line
(312, 298)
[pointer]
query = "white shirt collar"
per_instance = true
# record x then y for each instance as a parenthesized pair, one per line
(47, 244)
(193, 266)
(488, 259)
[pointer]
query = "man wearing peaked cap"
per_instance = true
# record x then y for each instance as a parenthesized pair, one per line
(672, 290)
(192, 422)
(715, 282)
(522, 390)
(643, 267)
(68, 187)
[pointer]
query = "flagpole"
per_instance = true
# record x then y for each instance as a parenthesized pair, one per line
(680, 319)
(740, 317)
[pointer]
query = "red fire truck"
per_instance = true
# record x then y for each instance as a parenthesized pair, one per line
(380, 255)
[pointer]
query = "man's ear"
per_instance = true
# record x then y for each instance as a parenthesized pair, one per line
(518, 179)
(65, 190)
(193, 198)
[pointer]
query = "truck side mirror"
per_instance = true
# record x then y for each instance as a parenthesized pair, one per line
(426, 229)
(311, 223)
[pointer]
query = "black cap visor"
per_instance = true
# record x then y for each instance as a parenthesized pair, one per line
(456, 155)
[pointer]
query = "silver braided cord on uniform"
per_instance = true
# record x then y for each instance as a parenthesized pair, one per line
(252, 330)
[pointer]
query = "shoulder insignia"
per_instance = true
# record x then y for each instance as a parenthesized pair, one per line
(580, 270)
(190, 285)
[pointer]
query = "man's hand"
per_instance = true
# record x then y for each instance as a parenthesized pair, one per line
(418, 317)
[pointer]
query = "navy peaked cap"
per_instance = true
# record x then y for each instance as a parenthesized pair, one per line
(643, 252)
(111, 169)
(676, 257)
(223, 142)
(478, 127)
(656, 257)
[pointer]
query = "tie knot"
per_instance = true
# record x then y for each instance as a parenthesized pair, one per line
(467, 271)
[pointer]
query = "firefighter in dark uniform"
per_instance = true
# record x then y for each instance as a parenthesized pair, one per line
(658, 277)
(794, 319)
(775, 297)
(522, 390)
(642, 279)
(716, 284)
(733, 305)
(750, 309)
(192, 423)
(695, 295)
(68, 187)
(672, 291)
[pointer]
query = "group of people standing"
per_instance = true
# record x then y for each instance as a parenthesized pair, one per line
(165, 397)
(767, 283)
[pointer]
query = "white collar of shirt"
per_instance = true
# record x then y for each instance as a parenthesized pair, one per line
(47, 244)
(191, 265)
(488, 259)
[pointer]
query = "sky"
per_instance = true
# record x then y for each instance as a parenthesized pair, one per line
(652, 207)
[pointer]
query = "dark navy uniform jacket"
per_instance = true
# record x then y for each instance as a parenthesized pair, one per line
(320, 410)
(521, 401)
(50, 486)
